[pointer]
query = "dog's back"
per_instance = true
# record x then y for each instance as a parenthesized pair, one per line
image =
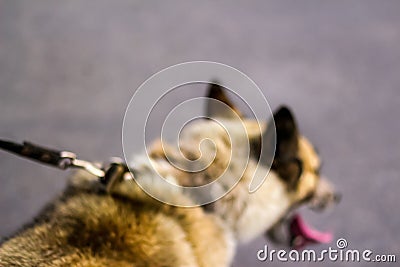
(87, 227)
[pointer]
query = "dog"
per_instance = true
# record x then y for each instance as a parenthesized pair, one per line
(86, 226)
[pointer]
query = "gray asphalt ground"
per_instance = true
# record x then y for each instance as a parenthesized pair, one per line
(68, 70)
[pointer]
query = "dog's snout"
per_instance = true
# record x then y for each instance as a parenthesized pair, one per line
(324, 196)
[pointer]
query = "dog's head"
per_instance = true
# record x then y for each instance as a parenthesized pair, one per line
(295, 179)
(298, 164)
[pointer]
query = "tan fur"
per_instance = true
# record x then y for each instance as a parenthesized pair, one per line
(90, 229)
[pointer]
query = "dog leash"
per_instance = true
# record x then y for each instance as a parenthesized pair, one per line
(108, 175)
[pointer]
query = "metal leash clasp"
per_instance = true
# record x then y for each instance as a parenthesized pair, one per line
(108, 174)
(115, 172)
(69, 159)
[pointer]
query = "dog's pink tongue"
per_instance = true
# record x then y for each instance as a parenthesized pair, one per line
(301, 234)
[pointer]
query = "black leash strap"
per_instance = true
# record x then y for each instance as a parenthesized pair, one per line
(38, 153)
(65, 159)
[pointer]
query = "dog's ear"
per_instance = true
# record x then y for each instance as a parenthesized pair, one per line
(286, 133)
(219, 104)
(286, 162)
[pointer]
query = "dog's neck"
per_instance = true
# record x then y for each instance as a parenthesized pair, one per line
(249, 215)
(246, 215)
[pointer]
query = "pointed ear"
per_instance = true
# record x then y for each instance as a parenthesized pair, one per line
(215, 108)
(286, 133)
(286, 161)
